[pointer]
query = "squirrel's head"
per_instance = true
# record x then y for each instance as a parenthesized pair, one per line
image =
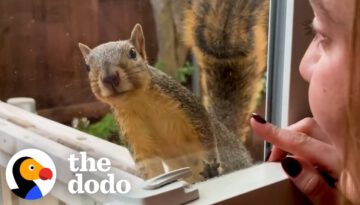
(117, 68)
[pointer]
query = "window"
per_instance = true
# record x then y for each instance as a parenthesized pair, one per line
(40, 58)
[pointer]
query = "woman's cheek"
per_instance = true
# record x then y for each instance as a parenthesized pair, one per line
(326, 99)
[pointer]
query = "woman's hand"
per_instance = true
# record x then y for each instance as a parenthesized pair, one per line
(313, 156)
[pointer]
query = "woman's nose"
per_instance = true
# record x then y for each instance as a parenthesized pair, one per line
(308, 63)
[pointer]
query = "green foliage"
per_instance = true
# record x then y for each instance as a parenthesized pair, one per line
(106, 128)
(160, 65)
(184, 72)
(263, 90)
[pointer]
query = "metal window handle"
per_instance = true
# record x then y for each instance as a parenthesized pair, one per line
(167, 188)
(167, 178)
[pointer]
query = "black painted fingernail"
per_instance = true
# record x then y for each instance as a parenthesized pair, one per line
(291, 166)
(267, 156)
(258, 118)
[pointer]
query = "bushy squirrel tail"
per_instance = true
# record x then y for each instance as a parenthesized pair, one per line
(229, 41)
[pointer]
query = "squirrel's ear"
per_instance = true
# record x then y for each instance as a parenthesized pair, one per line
(138, 39)
(85, 50)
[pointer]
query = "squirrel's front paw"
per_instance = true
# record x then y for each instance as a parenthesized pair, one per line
(149, 168)
(142, 172)
(211, 169)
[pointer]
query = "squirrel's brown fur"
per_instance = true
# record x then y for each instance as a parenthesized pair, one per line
(229, 41)
(161, 120)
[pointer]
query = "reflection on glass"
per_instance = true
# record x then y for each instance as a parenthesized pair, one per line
(156, 115)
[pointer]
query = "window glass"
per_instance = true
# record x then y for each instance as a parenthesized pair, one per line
(196, 115)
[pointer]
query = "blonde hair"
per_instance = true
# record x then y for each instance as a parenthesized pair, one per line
(352, 140)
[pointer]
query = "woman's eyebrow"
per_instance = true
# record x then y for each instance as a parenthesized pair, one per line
(323, 11)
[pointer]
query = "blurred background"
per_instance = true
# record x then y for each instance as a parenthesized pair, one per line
(39, 55)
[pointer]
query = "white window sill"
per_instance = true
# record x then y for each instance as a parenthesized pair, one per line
(262, 184)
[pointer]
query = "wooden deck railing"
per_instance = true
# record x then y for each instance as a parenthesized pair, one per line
(20, 129)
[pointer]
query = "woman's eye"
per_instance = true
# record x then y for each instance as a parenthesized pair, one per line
(309, 28)
(317, 36)
(320, 38)
(132, 53)
(31, 167)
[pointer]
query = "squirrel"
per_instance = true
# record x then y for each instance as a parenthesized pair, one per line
(161, 120)
(229, 42)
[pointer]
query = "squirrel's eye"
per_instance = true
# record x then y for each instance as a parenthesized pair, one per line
(31, 167)
(87, 68)
(132, 53)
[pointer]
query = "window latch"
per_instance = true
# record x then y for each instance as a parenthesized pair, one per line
(167, 178)
(166, 188)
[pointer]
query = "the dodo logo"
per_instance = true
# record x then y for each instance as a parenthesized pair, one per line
(31, 174)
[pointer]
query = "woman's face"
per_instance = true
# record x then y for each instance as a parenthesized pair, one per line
(325, 65)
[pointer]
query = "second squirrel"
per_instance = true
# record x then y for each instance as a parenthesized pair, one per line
(229, 42)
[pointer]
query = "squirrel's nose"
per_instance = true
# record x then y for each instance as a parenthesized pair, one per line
(112, 80)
